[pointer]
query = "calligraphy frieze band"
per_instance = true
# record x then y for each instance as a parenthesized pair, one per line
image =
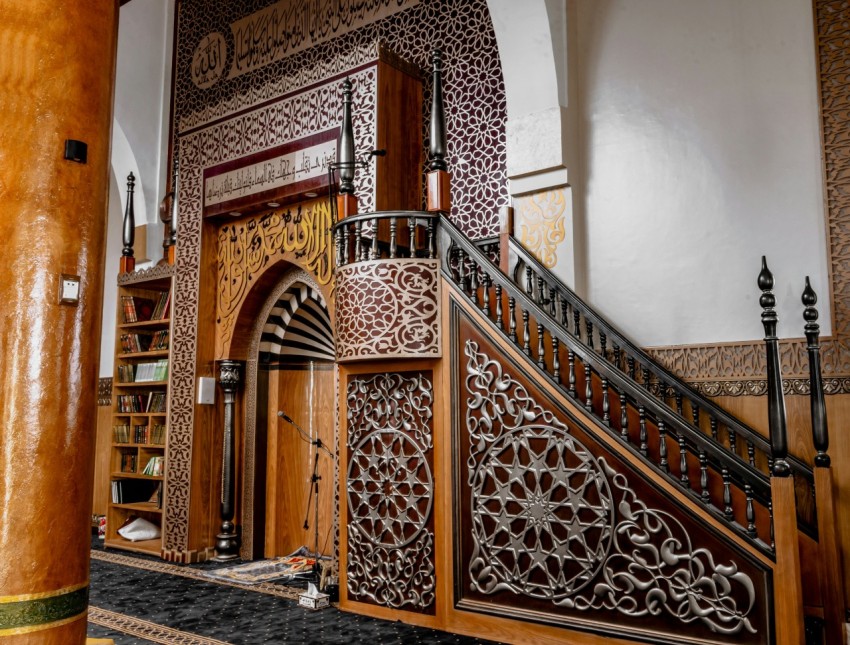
(281, 173)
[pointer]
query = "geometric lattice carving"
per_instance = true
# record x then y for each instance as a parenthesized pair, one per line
(473, 87)
(388, 309)
(550, 521)
(390, 490)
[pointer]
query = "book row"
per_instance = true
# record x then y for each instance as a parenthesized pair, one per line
(138, 309)
(143, 372)
(136, 343)
(150, 402)
(146, 434)
(155, 466)
(128, 462)
(133, 491)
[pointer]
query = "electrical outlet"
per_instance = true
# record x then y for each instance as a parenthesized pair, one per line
(69, 289)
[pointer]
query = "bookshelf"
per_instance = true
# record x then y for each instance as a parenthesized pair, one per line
(139, 417)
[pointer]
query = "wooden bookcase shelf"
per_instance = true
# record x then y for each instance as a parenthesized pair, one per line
(137, 463)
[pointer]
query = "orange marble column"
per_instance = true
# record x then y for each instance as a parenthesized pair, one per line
(56, 83)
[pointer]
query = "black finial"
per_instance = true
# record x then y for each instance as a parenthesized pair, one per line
(129, 230)
(775, 397)
(820, 432)
(345, 155)
(437, 132)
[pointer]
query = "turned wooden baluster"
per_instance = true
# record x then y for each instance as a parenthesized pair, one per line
(393, 237)
(411, 227)
(603, 342)
(556, 360)
(662, 447)
(703, 476)
(589, 327)
(588, 387)
(606, 403)
(358, 246)
(345, 243)
(642, 424)
(499, 321)
(373, 255)
(432, 248)
(485, 283)
(617, 356)
(624, 417)
(683, 461)
(512, 319)
(541, 351)
(631, 364)
(571, 362)
(751, 513)
(728, 511)
(526, 334)
(529, 285)
(713, 423)
(576, 323)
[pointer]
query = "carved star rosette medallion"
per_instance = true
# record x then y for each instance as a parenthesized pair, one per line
(543, 526)
(390, 491)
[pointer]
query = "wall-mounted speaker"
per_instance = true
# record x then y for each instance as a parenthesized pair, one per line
(76, 150)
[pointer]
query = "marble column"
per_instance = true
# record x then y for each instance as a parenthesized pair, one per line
(56, 83)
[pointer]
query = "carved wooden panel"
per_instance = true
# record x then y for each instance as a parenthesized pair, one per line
(248, 247)
(388, 309)
(390, 490)
(552, 525)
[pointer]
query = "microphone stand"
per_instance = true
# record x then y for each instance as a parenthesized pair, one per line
(314, 492)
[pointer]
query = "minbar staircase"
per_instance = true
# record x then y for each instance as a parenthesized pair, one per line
(593, 488)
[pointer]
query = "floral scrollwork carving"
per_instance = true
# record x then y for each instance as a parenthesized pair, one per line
(551, 521)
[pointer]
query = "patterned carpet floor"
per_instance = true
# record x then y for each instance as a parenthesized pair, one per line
(137, 600)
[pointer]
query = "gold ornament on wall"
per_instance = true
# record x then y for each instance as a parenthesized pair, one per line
(542, 226)
(300, 234)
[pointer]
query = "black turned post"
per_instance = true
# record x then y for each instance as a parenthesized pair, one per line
(346, 143)
(438, 184)
(775, 397)
(227, 541)
(128, 232)
(437, 126)
(346, 200)
(820, 432)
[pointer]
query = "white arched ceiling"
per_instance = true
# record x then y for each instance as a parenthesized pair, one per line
(123, 163)
(532, 41)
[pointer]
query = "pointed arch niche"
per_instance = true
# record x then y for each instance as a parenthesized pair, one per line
(283, 332)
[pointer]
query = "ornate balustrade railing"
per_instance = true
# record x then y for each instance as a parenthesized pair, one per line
(732, 489)
(388, 234)
(740, 441)
(712, 457)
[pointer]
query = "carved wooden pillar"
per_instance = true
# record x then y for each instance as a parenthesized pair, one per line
(788, 583)
(832, 592)
(227, 540)
(56, 83)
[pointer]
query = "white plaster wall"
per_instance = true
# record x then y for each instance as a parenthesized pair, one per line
(142, 93)
(110, 285)
(699, 152)
(140, 140)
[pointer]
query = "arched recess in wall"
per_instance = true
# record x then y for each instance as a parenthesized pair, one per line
(532, 43)
(291, 330)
